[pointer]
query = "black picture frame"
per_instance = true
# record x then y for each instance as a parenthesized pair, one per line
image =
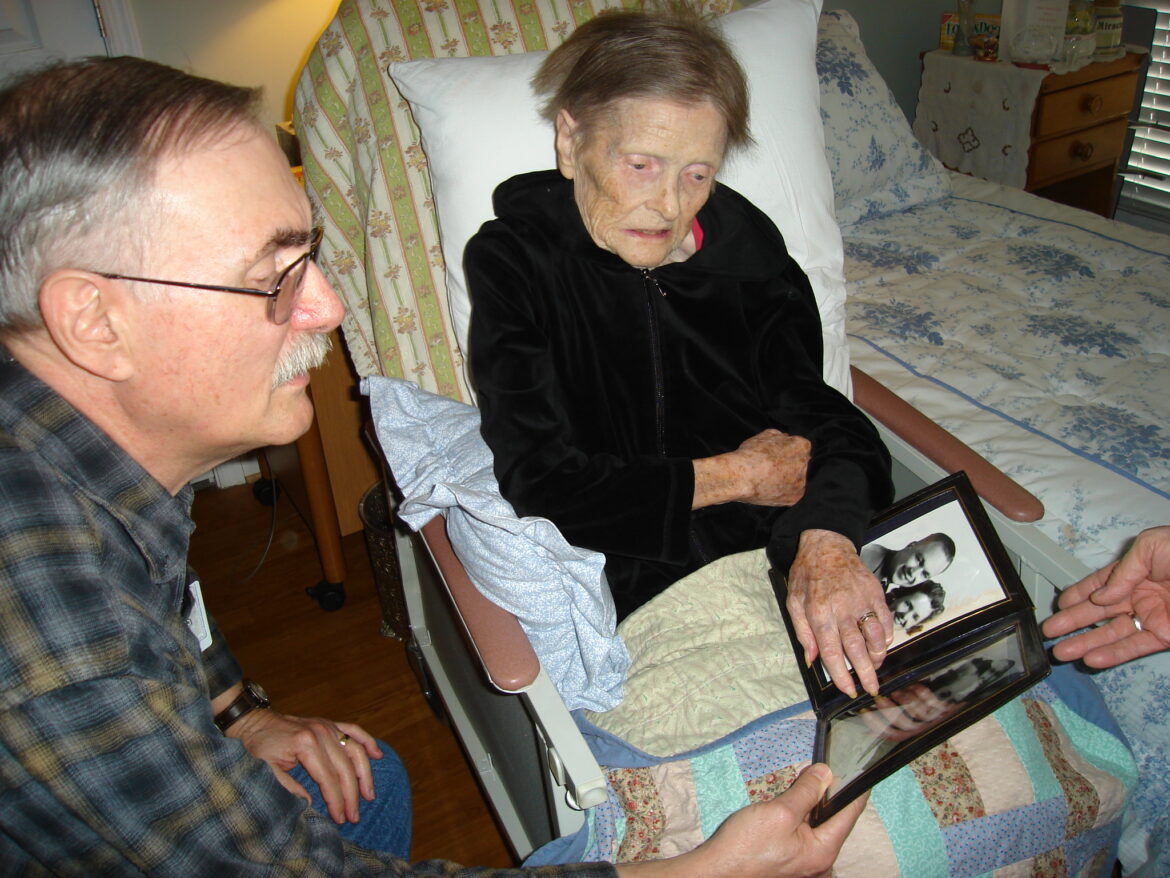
(966, 618)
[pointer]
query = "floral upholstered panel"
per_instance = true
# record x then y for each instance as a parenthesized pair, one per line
(367, 173)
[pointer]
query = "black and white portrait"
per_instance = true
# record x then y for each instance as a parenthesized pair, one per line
(933, 570)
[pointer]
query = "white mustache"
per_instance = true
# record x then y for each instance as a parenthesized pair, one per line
(307, 353)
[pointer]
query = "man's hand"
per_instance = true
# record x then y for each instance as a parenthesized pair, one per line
(772, 839)
(769, 469)
(1138, 584)
(341, 770)
(838, 610)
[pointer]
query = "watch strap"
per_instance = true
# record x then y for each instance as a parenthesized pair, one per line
(251, 698)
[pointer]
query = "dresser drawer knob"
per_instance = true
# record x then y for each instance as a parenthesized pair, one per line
(1082, 151)
(1092, 104)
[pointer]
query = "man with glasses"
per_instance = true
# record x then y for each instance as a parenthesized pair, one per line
(159, 314)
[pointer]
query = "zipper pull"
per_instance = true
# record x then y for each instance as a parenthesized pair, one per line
(646, 275)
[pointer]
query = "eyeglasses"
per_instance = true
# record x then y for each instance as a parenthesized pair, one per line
(281, 297)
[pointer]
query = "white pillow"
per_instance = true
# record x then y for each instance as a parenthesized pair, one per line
(479, 126)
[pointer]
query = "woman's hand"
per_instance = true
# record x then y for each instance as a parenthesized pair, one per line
(771, 839)
(1137, 586)
(769, 469)
(838, 610)
(336, 755)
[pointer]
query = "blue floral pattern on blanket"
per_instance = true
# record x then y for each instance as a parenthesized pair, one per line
(1122, 441)
(1082, 335)
(903, 321)
(1048, 261)
(892, 253)
(876, 163)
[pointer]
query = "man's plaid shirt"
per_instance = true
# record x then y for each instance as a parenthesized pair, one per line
(110, 761)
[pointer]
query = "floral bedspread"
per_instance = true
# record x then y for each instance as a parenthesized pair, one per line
(1043, 344)
(1041, 338)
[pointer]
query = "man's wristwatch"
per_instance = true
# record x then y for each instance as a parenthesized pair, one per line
(251, 698)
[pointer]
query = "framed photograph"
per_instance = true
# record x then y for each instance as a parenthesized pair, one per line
(943, 570)
(938, 561)
(965, 640)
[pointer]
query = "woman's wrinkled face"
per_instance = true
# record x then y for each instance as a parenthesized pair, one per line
(642, 174)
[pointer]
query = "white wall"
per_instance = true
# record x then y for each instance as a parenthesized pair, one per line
(245, 42)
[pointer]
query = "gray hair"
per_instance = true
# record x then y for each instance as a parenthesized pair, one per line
(671, 53)
(79, 145)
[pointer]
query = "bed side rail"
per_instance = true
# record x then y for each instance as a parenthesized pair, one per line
(495, 634)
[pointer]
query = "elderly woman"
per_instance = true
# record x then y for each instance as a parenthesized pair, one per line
(647, 356)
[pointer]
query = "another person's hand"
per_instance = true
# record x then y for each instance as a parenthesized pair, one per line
(771, 839)
(1135, 587)
(768, 469)
(838, 610)
(336, 755)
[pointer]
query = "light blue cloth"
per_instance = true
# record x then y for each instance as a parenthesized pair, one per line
(557, 592)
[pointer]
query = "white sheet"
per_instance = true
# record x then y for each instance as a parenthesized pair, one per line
(556, 591)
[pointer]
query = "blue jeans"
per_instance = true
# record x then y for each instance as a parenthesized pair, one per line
(385, 822)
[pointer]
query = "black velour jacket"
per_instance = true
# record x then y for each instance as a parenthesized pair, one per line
(598, 384)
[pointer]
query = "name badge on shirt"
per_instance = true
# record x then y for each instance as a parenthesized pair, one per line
(197, 616)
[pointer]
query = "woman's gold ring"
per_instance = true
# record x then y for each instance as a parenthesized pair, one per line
(861, 620)
(343, 740)
(1137, 623)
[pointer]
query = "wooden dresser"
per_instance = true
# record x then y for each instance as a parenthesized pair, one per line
(1078, 133)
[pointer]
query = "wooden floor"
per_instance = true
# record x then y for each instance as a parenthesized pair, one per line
(337, 664)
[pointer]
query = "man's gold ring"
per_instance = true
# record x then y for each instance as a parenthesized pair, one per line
(343, 740)
(1137, 623)
(861, 620)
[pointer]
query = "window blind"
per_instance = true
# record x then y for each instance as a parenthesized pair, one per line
(1146, 186)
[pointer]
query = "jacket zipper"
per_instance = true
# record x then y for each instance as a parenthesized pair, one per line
(651, 286)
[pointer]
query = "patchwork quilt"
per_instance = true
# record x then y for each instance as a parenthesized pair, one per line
(1037, 788)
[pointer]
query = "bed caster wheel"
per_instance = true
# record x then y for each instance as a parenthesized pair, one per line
(329, 595)
(266, 491)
